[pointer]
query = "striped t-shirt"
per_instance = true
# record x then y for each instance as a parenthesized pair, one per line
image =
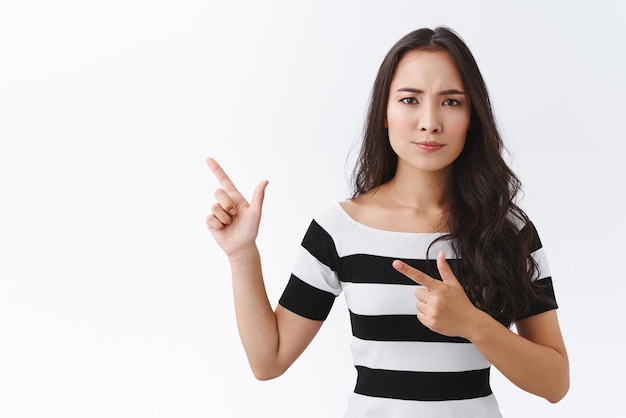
(403, 368)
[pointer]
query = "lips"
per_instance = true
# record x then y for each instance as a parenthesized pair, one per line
(429, 146)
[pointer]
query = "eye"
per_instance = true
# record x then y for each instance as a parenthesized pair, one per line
(451, 102)
(409, 100)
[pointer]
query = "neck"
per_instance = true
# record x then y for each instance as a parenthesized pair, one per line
(425, 190)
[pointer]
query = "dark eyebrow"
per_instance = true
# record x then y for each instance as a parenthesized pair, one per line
(419, 91)
(449, 92)
(410, 90)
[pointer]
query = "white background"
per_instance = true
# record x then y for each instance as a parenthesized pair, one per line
(115, 301)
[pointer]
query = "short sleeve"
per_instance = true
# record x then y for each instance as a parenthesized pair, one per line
(542, 281)
(314, 283)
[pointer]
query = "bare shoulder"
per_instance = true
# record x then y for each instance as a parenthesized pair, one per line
(361, 208)
(375, 209)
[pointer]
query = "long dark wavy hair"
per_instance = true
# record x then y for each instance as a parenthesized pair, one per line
(486, 225)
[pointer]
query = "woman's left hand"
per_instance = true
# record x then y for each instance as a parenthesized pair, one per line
(442, 306)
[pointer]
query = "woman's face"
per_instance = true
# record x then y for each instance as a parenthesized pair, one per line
(428, 113)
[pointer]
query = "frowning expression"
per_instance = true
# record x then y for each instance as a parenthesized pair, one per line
(428, 113)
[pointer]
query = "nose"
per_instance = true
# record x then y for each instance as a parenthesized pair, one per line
(429, 120)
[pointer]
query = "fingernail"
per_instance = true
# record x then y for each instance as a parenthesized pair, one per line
(232, 211)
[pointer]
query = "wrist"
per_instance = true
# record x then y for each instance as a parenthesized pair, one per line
(482, 326)
(243, 254)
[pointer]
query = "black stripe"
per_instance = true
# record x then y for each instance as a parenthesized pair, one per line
(423, 386)
(305, 300)
(396, 328)
(365, 268)
(321, 245)
(547, 302)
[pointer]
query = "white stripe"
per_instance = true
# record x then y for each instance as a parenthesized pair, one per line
(366, 240)
(310, 270)
(361, 406)
(380, 299)
(542, 262)
(352, 237)
(417, 356)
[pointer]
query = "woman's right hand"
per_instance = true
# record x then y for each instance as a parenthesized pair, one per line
(234, 222)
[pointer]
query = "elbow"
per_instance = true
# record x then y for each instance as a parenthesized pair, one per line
(263, 376)
(267, 367)
(559, 391)
(551, 389)
(266, 373)
(558, 395)
(557, 398)
(561, 384)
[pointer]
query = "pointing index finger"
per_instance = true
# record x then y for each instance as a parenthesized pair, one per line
(414, 274)
(221, 175)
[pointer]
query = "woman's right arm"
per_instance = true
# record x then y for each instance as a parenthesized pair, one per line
(272, 340)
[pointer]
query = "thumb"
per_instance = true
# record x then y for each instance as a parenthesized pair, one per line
(444, 268)
(258, 196)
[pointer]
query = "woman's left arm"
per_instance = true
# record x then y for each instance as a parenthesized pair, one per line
(534, 358)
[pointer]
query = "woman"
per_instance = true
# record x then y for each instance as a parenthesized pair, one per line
(430, 183)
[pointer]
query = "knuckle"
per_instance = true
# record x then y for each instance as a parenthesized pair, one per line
(213, 223)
